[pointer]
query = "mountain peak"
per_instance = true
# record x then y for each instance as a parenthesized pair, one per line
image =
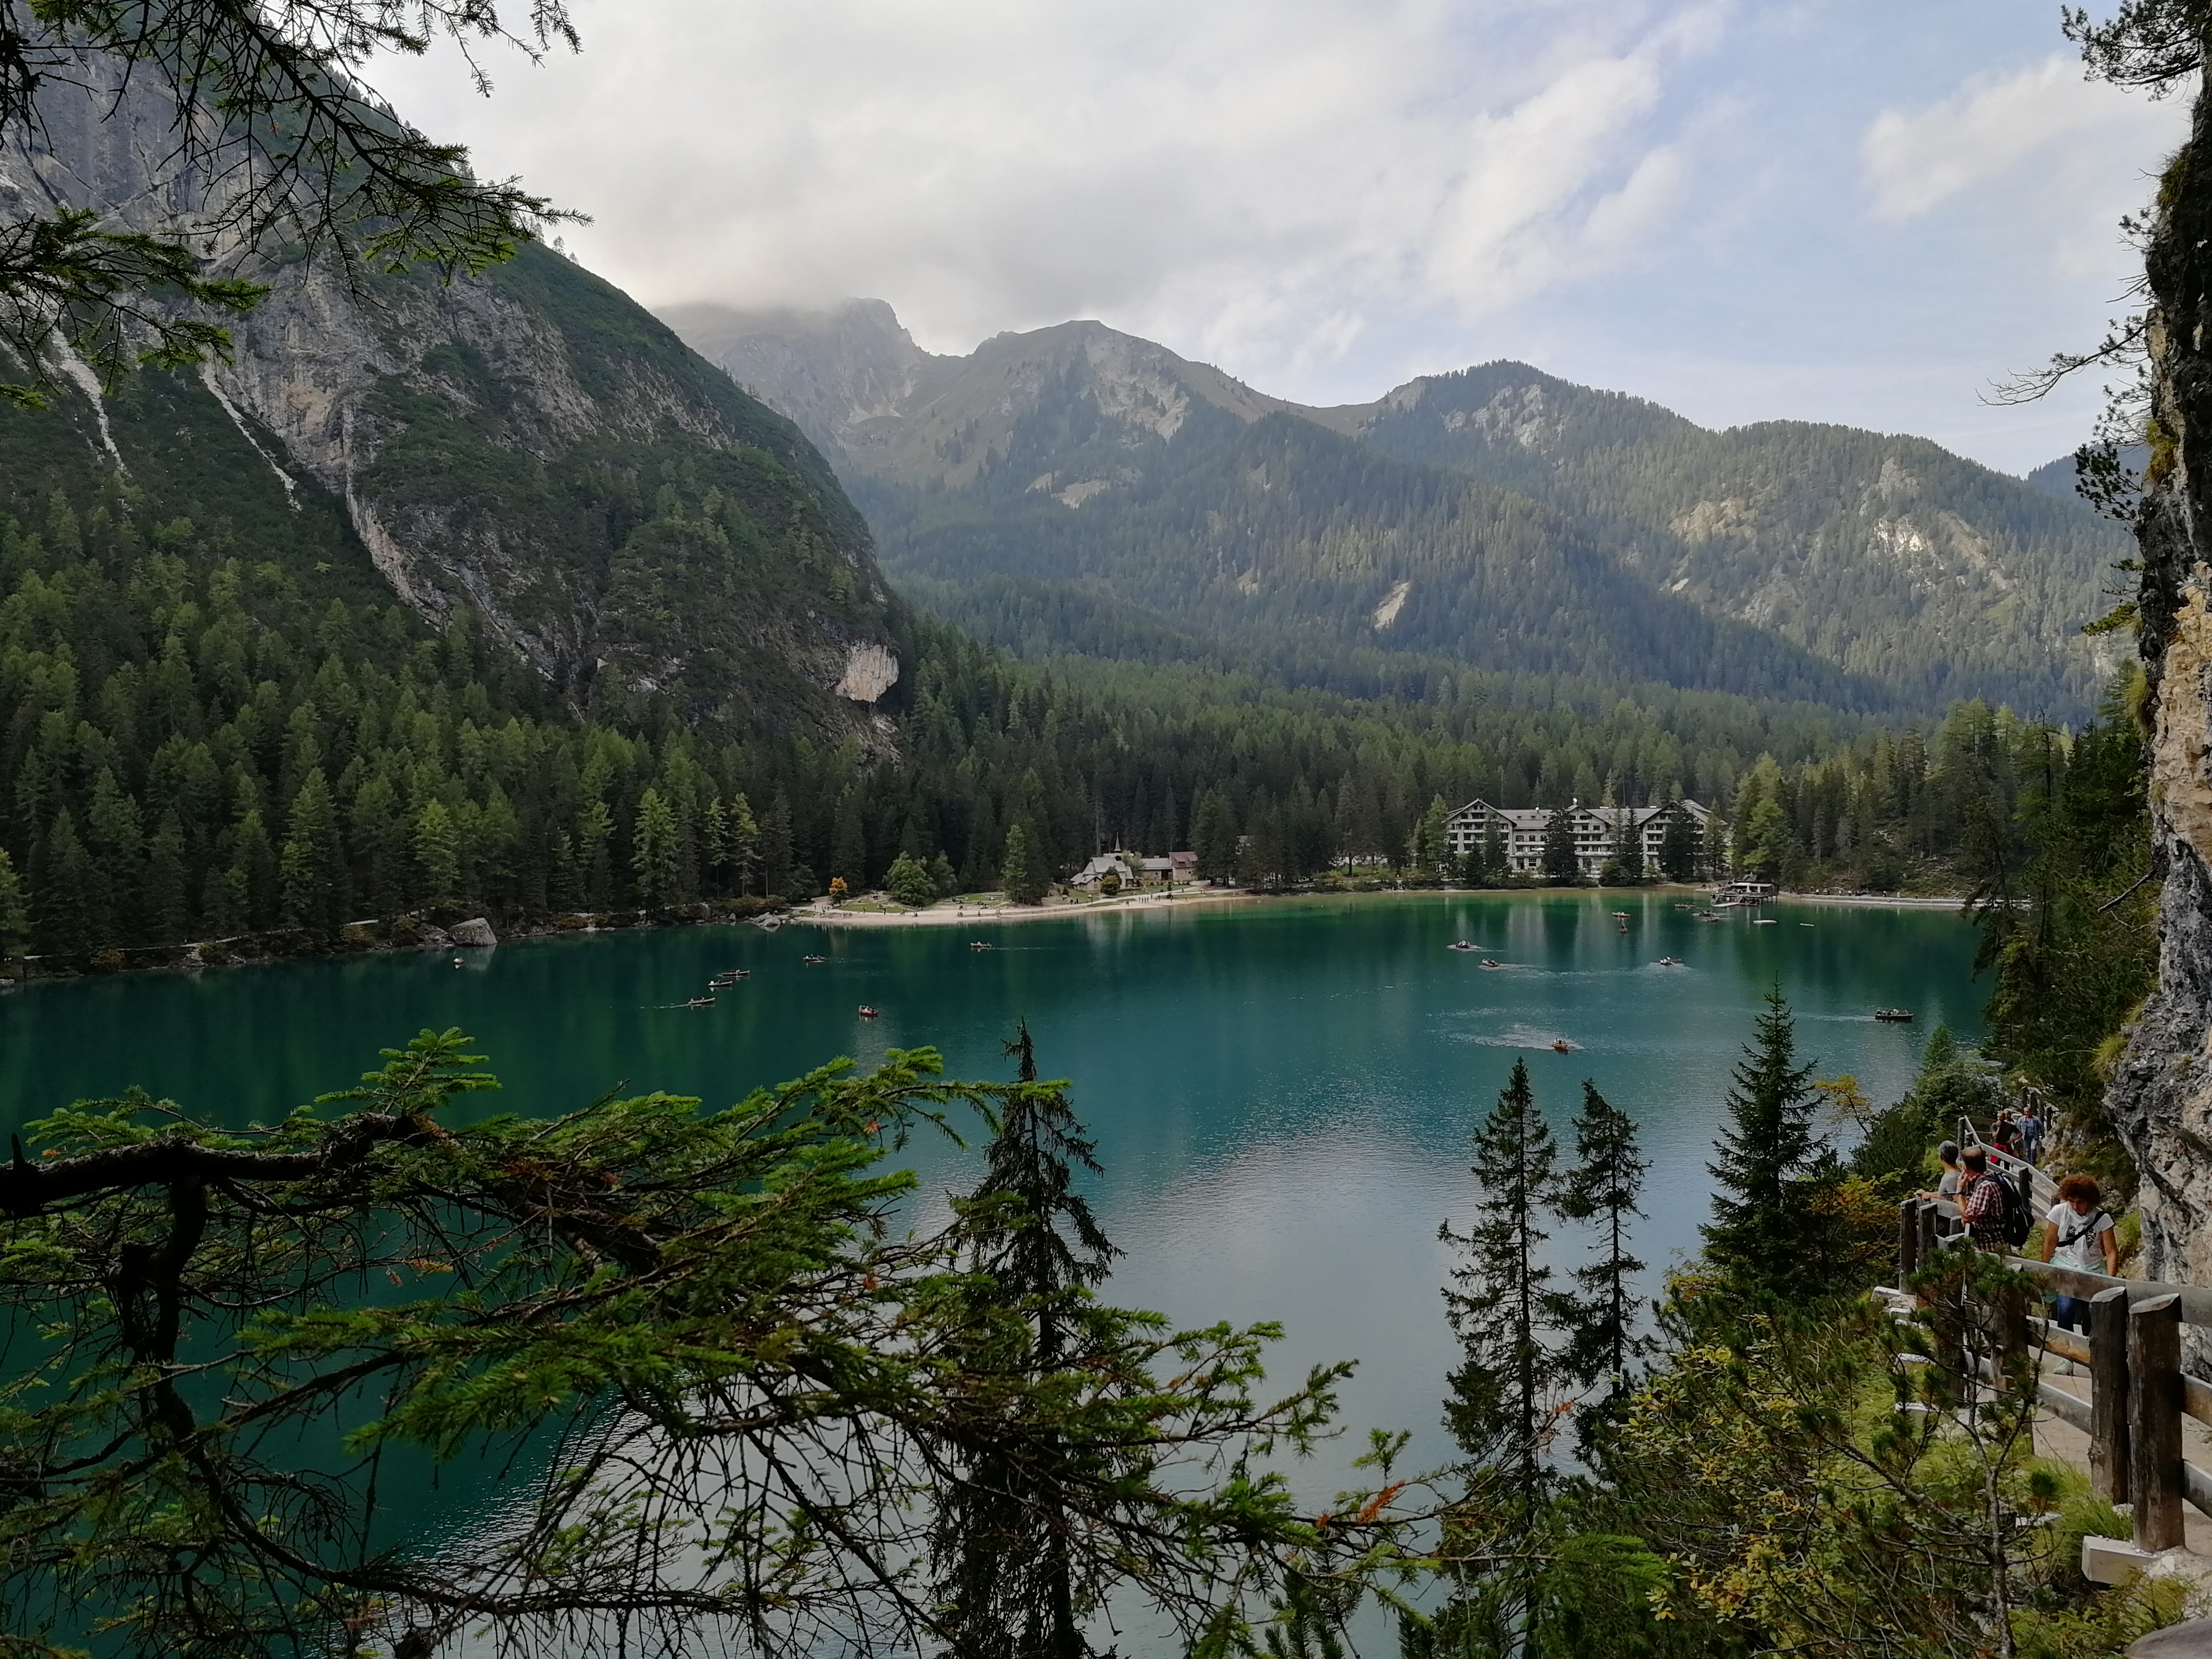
(1520, 520)
(852, 377)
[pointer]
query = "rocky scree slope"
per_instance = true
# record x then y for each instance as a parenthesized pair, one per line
(1029, 476)
(531, 444)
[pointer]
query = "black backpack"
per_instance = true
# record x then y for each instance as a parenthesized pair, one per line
(2019, 1215)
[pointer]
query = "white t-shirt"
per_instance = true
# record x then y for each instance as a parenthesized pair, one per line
(2076, 1237)
(1948, 1186)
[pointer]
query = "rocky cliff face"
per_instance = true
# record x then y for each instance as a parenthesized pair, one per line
(2160, 1093)
(535, 446)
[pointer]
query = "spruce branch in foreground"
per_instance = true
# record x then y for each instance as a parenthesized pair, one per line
(728, 1386)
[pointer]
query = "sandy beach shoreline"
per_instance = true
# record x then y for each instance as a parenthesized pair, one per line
(943, 915)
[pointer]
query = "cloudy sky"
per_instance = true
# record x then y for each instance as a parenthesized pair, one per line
(1862, 211)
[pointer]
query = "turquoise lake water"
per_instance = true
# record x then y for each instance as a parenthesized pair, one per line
(1281, 1093)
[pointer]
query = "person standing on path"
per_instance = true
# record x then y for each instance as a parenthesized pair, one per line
(2080, 1234)
(1982, 1200)
(1946, 1186)
(2031, 1132)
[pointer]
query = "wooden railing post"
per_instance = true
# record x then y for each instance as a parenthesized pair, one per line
(2108, 1396)
(2009, 1326)
(1929, 1240)
(2155, 1421)
(1908, 1242)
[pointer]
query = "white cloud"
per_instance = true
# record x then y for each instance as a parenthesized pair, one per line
(1743, 210)
(1989, 130)
(1242, 171)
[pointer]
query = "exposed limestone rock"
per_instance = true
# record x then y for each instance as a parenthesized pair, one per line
(1707, 520)
(869, 671)
(2160, 1094)
(479, 433)
(1519, 414)
(474, 932)
(1393, 603)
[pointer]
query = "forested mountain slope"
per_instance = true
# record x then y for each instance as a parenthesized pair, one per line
(530, 446)
(1081, 487)
(1885, 555)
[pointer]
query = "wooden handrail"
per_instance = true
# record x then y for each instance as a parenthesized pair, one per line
(2139, 1393)
(2041, 1187)
(2196, 1299)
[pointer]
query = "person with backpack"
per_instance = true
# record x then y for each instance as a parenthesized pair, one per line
(1996, 1215)
(2080, 1234)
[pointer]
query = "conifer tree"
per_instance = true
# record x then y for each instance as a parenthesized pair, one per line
(223, 903)
(493, 841)
(379, 845)
(1512, 1327)
(1022, 877)
(564, 881)
(778, 850)
(1214, 837)
(1678, 847)
(654, 852)
(251, 880)
(15, 911)
(1603, 1188)
(1501, 1305)
(1763, 1231)
(1430, 844)
(1561, 863)
(168, 899)
(1473, 871)
(116, 839)
(595, 830)
(999, 1547)
(715, 836)
(61, 882)
(311, 865)
(437, 855)
(1713, 856)
(848, 842)
(1494, 861)
(744, 845)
